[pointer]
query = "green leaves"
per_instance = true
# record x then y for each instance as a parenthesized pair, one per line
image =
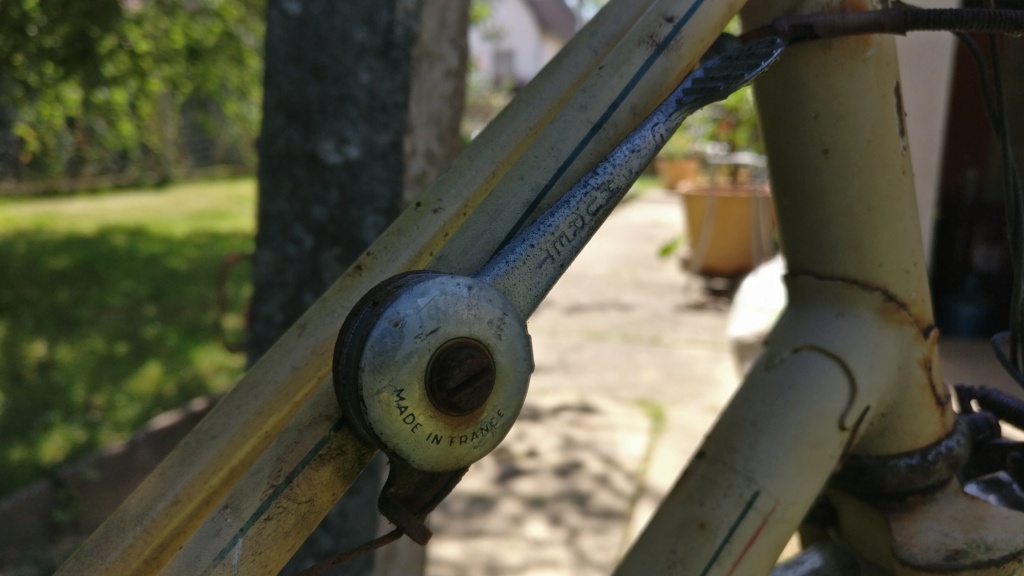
(108, 314)
(103, 86)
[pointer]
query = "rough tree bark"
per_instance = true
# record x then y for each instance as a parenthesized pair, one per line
(336, 91)
(337, 115)
(436, 102)
(438, 93)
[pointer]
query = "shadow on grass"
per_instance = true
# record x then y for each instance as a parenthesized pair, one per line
(100, 333)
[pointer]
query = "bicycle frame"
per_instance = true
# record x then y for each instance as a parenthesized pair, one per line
(851, 368)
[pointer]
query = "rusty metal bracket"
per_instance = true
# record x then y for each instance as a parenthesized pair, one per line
(899, 19)
(433, 368)
(409, 495)
(907, 473)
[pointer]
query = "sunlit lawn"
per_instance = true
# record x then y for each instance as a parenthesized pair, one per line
(108, 313)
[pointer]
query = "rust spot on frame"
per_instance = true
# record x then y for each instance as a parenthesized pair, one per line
(927, 364)
(898, 313)
(853, 6)
(901, 115)
(865, 42)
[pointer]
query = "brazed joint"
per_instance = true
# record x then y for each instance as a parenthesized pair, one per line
(925, 327)
(910, 472)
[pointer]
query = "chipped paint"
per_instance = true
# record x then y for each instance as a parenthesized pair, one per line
(901, 116)
(236, 555)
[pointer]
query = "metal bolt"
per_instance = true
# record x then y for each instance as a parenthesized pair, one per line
(460, 376)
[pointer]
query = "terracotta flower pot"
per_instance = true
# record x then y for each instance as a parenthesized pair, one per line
(672, 171)
(729, 227)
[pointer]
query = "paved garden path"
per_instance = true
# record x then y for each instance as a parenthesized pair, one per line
(631, 371)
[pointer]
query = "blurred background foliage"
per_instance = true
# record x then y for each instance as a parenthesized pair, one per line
(143, 87)
(109, 314)
(109, 311)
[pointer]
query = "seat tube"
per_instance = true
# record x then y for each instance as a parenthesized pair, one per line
(835, 132)
(852, 365)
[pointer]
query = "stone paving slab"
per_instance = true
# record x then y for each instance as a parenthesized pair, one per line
(555, 495)
(631, 373)
(632, 370)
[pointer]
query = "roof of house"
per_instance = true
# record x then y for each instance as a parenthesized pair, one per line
(554, 17)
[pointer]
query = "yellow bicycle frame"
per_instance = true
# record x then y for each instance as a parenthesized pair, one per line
(852, 366)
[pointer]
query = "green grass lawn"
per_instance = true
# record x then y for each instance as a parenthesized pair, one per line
(108, 314)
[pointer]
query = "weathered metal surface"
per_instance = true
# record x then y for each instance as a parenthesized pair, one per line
(529, 265)
(909, 472)
(941, 532)
(895, 20)
(287, 491)
(834, 129)
(822, 382)
(994, 401)
(410, 494)
(851, 367)
(649, 62)
(614, 71)
(847, 211)
(387, 368)
(999, 489)
(460, 376)
(708, 526)
(387, 349)
(831, 108)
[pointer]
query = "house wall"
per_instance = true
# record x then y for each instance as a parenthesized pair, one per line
(550, 45)
(926, 65)
(512, 29)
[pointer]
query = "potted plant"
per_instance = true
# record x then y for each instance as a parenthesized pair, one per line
(729, 216)
(680, 160)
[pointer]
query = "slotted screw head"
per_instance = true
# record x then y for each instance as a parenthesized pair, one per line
(460, 376)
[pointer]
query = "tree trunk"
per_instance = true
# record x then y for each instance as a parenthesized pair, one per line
(330, 180)
(438, 93)
(432, 141)
(334, 117)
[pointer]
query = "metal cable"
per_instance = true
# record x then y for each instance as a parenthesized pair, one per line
(897, 20)
(354, 553)
(1005, 407)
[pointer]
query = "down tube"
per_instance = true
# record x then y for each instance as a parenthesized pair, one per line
(851, 365)
(242, 490)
